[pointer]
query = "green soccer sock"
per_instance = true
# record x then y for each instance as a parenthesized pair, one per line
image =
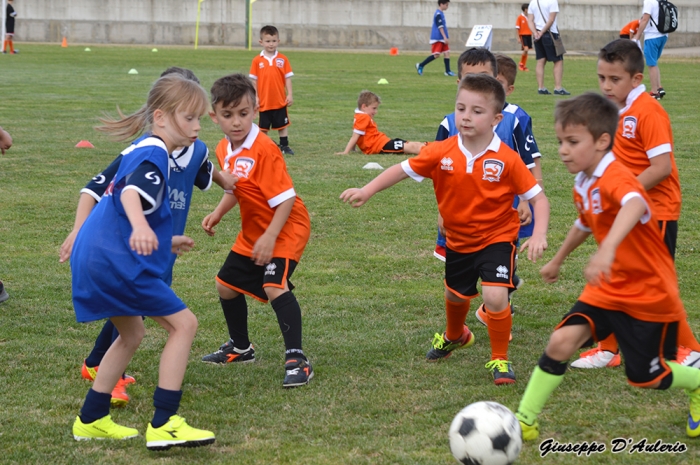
(684, 377)
(539, 388)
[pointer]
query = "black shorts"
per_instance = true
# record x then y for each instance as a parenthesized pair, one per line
(645, 345)
(625, 36)
(494, 264)
(525, 41)
(273, 119)
(241, 274)
(544, 48)
(393, 146)
(669, 230)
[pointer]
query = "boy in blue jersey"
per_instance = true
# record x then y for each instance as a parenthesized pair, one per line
(439, 39)
(189, 167)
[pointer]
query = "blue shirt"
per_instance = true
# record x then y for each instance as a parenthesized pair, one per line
(438, 22)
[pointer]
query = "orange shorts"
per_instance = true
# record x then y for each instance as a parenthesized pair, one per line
(440, 47)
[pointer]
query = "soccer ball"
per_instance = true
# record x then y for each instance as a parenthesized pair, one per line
(485, 433)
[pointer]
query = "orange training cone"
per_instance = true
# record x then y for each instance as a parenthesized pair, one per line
(85, 144)
(394, 51)
(64, 44)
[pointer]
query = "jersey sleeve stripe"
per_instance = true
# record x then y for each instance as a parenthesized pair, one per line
(289, 74)
(357, 131)
(91, 193)
(278, 199)
(253, 77)
(409, 171)
(536, 189)
(659, 150)
(647, 213)
(580, 225)
(145, 197)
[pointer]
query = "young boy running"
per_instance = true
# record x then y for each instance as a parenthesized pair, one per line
(644, 144)
(275, 228)
(481, 230)
(367, 137)
(439, 39)
(632, 290)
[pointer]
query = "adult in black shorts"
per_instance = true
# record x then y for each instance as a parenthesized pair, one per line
(542, 19)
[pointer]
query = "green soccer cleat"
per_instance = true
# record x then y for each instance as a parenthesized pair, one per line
(176, 432)
(104, 428)
(692, 428)
(530, 432)
(442, 347)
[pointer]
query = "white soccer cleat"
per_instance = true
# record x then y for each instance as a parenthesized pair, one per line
(597, 358)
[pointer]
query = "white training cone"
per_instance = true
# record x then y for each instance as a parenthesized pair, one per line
(87, 49)
(154, 50)
(133, 71)
(372, 166)
(383, 81)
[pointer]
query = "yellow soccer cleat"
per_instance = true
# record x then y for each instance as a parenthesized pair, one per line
(104, 428)
(176, 432)
(692, 428)
(530, 432)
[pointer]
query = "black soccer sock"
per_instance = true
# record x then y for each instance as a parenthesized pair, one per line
(447, 65)
(427, 60)
(96, 406)
(284, 141)
(236, 314)
(102, 343)
(166, 403)
(289, 318)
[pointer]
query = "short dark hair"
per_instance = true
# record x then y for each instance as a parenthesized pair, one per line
(626, 52)
(442, 2)
(184, 72)
(269, 30)
(525, 6)
(367, 98)
(477, 56)
(593, 111)
(507, 67)
(231, 89)
(485, 85)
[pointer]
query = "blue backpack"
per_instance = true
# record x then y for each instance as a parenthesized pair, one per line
(668, 17)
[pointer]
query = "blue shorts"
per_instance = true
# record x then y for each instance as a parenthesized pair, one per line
(653, 48)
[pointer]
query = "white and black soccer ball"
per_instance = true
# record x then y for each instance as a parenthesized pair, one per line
(485, 433)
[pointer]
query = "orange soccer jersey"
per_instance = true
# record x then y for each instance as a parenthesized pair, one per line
(522, 26)
(270, 75)
(263, 184)
(474, 192)
(643, 280)
(630, 28)
(644, 131)
(371, 139)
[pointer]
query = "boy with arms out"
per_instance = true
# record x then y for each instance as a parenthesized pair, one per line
(367, 137)
(439, 39)
(481, 230)
(524, 36)
(272, 80)
(644, 144)
(632, 290)
(275, 228)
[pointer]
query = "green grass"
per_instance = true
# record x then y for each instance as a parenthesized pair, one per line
(368, 285)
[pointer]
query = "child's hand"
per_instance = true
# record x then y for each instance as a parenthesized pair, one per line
(550, 272)
(355, 197)
(5, 140)
(182, 244)
(524, 213)
(598, 268)
(229, 179)
(536, 245)
(209, 221)
(441, 225)
(341, 153)
(262, 250)
(67, 247)
(143, 240)
(290, 100)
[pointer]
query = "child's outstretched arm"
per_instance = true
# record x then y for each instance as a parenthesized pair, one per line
(224, 179)
(598, 268)
(143, 240)
(575, 237)
(537, 244)
(351, 144)
(265, 245)
(227, 202)
(85, 206)
(390, 176)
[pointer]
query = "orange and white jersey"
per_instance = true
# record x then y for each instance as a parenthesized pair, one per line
(522, 26)
(263, 184)
(630, 28)
(643, 280)
(270, 75)
(644, 132)
(371, 139)
(474, 192)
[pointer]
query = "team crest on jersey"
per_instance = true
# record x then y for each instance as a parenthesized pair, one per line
(446, 164)
(596, 203)
(261, 65)
(629, 127)
(493, 170)
(279, 62)
(242, 167)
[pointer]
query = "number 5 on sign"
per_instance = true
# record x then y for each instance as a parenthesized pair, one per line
(480, 36)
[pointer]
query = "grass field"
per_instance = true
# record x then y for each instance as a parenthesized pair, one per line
(368, 285)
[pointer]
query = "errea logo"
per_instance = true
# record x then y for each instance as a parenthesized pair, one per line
(446, 164)
(502, 272)
(270, 269)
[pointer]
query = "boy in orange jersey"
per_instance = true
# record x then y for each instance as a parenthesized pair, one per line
(524, 36)
(366, 135)
(275, 228)
(272, 79)
(644, 144)
(632, 289)
(629, 30)
(481, 229)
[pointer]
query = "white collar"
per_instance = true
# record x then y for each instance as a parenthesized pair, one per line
(583, 182)
(247, 144)
(357, 110)
(493, 146)
(632, 96)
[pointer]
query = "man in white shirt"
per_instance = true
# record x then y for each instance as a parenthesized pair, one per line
(542, 19)
(654, 42)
